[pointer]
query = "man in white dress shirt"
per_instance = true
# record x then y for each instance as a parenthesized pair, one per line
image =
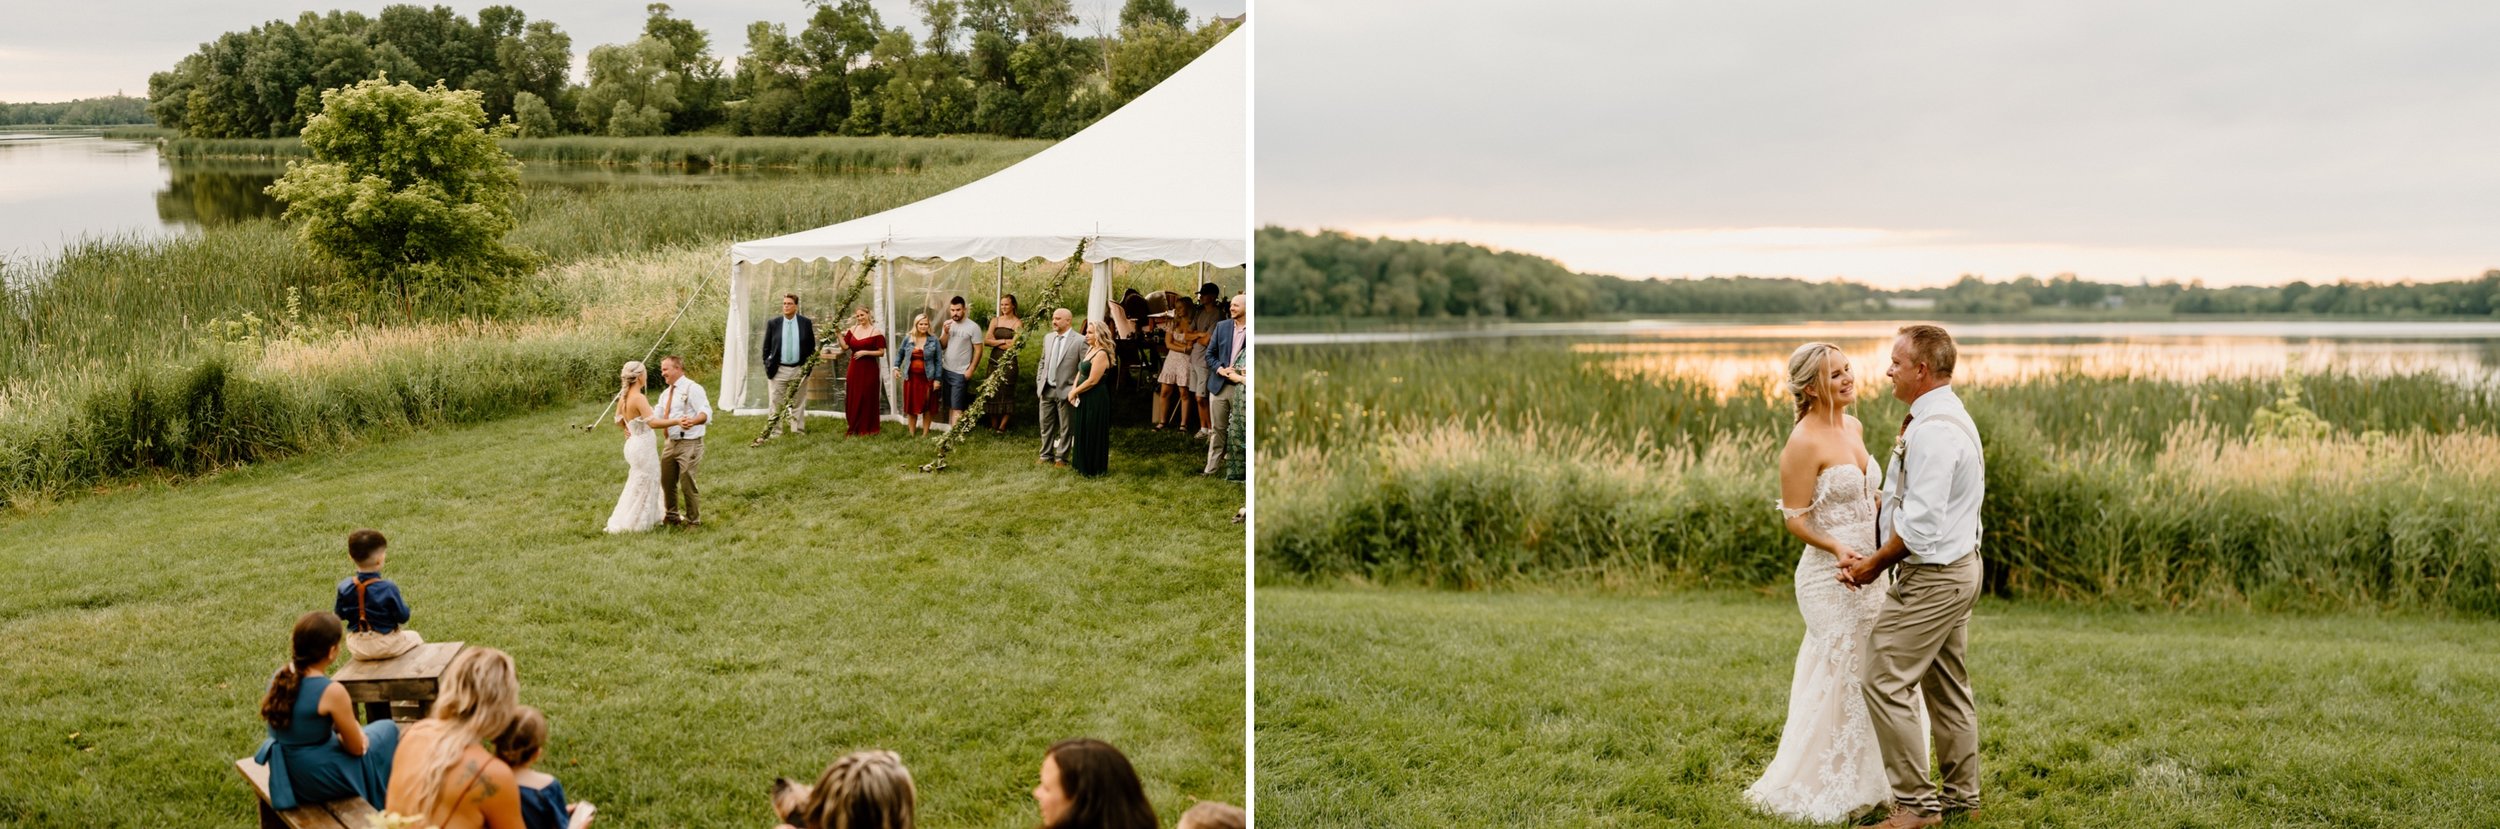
(1929, 524)
(682, 411)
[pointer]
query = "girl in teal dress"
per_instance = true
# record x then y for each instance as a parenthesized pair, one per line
(315, 752)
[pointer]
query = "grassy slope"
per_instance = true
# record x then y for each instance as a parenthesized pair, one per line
(835, 599)
(1399, 708)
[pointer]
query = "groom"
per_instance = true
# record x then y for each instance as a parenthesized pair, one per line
(1929, 524)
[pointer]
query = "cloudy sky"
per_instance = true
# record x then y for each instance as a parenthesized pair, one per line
(2237, 141)
(61, 51)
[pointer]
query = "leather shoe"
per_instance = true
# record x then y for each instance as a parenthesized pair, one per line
(1903, 818)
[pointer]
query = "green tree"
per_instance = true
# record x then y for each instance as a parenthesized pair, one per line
(1136, 13)
(632, 90)
(532, 116)
(408, 189)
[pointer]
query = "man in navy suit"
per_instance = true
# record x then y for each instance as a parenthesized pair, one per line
(1223, 394)
(788, 339)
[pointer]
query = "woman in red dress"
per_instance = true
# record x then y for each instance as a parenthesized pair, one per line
(916, 364)
(859, 385)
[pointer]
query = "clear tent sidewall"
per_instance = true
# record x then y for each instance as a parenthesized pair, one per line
(742, 380)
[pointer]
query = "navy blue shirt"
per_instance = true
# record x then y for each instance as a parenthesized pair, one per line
(384, 610)
(544, 808)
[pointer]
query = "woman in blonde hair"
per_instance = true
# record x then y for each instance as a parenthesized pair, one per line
(863, 790)
(1827, 767)
(443, 774)
(639, 507)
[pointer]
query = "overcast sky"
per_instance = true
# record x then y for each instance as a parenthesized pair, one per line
(59, 51)
(1897, 143)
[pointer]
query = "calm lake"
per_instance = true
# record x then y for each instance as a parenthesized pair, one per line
(56, 187)
(1730, 354)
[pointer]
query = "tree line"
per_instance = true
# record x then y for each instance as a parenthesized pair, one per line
(1332, 274)
(1010, 68)
(118, 110)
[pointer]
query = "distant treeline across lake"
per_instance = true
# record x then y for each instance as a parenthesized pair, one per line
(1335, 275)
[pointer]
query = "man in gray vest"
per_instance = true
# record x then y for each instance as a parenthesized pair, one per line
(1928, 523)
(1062, 353)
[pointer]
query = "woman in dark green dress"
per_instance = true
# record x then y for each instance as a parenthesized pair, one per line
(1090, 424)
(315, 751)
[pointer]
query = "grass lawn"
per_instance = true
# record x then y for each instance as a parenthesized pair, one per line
(1413, 708)
(836, 598)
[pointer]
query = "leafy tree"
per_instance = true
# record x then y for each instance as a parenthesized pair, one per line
(1137, 13)
(632, 90)
(531, 115)
(407, 189)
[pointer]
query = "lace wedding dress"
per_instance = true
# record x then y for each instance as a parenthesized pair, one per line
(1827, 767)
(639, 508)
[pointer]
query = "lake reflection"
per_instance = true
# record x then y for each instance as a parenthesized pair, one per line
(1737, 358)
(56, 187)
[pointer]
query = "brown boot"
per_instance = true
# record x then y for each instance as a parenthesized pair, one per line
(1903, 818)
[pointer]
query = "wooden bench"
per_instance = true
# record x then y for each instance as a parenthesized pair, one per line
(351, 813)
(411, 677)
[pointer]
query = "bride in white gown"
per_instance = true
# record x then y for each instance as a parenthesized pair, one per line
(638, 508)
(1827, 768)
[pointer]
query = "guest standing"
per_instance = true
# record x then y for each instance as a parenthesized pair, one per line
(788, 339)
(916, 363)
(960, 334)
(1223, 390)
(1172, 398)
(1090, 445)
(315, 752)
(1209, 311)
(1003, 331)
(1062, 353)
(859, 387)
(682, 411)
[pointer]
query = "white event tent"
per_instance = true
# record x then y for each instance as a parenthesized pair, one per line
(1162, 178)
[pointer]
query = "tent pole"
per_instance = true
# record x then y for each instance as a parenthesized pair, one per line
(885, 324)
(733, 364)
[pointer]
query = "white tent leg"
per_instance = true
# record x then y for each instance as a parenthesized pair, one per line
(884, 312)
(733, 358)
(1098, 294)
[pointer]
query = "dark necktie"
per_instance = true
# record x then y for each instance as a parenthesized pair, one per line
(1905, 423)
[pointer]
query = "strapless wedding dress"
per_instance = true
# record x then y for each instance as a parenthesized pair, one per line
(1827, 767)
(639, 508)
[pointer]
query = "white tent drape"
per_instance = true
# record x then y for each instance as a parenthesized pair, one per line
(1163, 178)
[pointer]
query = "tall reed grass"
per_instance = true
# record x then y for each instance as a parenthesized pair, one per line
(232, 403)
(1468, 467)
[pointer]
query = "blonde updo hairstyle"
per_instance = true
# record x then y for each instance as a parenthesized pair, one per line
(1809, 376)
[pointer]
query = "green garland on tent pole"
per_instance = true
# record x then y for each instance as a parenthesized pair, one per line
(964, 423)
(850, 298)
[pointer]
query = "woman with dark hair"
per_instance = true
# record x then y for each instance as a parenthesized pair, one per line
(1087, 784)
(1003, 331)
(315, 752)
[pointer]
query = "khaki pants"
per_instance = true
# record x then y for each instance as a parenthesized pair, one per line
(677, 465)
(1916, 651)
(1057, 420)
(783, 387)
(375, 647)
(1220, 419)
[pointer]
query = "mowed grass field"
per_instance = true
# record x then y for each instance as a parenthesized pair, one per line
(835, 599)
(1396, 708)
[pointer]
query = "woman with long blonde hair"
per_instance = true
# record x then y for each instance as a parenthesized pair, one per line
(444, 775)
(639, 507)
(1827, 767)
